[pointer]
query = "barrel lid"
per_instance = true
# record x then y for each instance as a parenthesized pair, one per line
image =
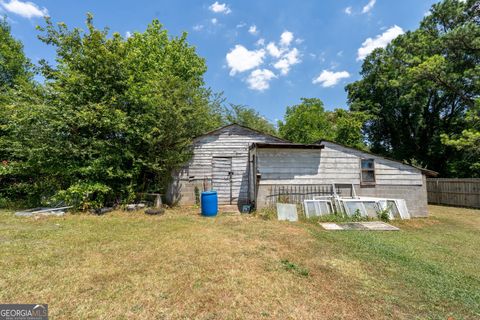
(209, 192)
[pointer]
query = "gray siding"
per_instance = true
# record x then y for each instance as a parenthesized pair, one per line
(338, 164)
(333, 164)
(232, 141)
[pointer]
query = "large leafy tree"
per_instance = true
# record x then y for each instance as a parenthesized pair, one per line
(248, 117)
(117, 116)
(15, 68)
(421, 86)
(17, 90)
(309, 122)
(306, 122)
(468, 141)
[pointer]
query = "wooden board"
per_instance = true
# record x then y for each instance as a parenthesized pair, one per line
(221, 179)
(454, 192)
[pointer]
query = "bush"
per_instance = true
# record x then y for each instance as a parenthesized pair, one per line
(85, 196)
(384, 214)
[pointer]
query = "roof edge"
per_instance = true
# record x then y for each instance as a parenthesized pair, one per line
(285, 145)
(427, 172)
(242, 126)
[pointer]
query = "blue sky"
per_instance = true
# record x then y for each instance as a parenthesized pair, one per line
(264, 54)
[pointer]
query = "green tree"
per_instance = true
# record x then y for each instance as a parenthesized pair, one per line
(421, 86)
(306, 122)
(15, 68)
(248, 117)
(17, 89)
(117, 117)
(347, 128)
(309, 122)
(468, 141)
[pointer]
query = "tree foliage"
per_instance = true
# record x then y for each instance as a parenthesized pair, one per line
(248, 117)
(468, 141)
(309, 122)
(14, 65)
(421, 86)
(116, 117)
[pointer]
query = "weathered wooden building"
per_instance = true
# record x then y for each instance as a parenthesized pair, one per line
(248, 167)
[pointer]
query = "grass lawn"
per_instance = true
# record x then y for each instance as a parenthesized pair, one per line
(182, 266)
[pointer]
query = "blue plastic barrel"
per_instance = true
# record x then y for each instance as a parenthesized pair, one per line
(209, 203)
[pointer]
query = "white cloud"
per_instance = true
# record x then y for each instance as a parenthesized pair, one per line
(287, 60)
(369, 6)
(25, 9)
(214, 21)
(219, 8)
(253, 29)
(280, 55)
(260, 42)
(330, 78)
(241, 25)
(380, 41)
(259, 79)
(348, 10)
(286, 38)
(198, 27)
(128, 34)
(273, 50)
(240, 59)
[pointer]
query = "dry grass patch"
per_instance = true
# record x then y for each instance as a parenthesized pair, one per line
(180, 265)
(183, 266)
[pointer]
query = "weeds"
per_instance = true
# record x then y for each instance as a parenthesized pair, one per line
(269, 213)
(294, 268)
(384, 214)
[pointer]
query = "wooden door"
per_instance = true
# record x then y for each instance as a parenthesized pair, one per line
(222, 179)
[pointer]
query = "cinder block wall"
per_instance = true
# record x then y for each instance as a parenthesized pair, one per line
(415, 196)
(182, 192)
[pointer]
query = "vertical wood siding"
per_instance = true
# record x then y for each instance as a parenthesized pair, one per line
(454, 192)
(232, 141)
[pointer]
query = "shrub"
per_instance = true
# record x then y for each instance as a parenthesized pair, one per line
(384, 214)
(85, 196)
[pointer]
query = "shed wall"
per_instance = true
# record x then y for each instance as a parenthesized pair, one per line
(232, 141)
(340, 165)
(333, 164)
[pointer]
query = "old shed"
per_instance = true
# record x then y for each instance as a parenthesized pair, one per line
(220, 161)
(249, 167)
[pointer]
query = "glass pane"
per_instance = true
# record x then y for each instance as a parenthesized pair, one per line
(371, 208)
(393, 209)
(311, 210)
(368, 176)
(367, 163)
(324, 207)
(353, 207)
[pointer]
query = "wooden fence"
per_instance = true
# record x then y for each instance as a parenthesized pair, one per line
(454, 192)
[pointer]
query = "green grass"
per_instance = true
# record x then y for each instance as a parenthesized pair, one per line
(182, 266)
